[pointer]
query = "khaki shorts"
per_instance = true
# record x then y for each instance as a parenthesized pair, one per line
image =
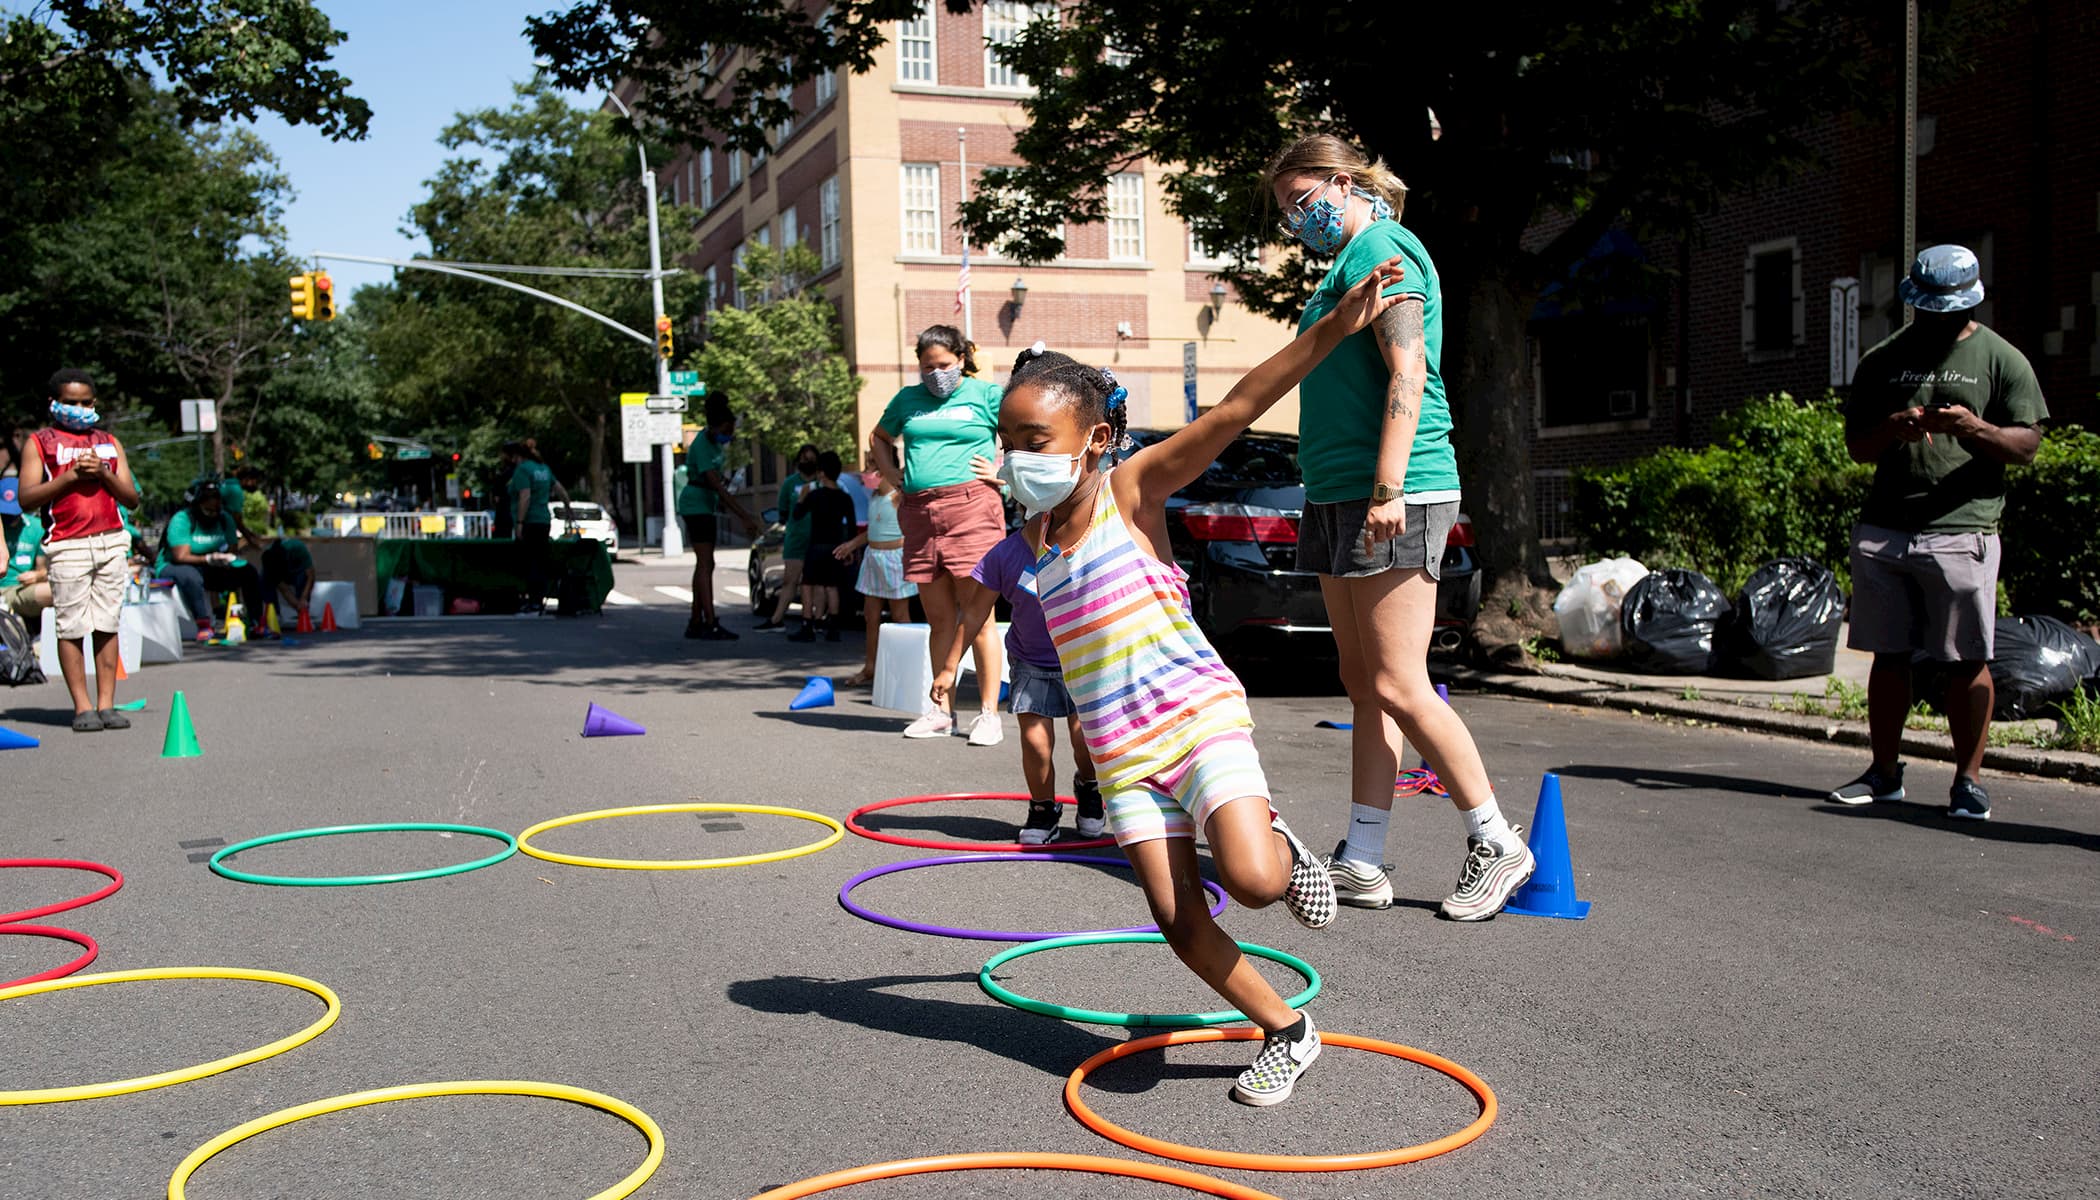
(88, 577)
(948, 529)
(20, 599)
(1930, 592)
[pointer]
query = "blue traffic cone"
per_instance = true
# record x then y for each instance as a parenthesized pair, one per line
(1551, 890)
(10, 740)
(814, 694)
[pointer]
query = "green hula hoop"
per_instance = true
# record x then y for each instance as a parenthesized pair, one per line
(1005, 995)
(218, 860)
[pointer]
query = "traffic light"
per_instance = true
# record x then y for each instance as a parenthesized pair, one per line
(663, 337)
(323, 303)
(372, 451)
(302, 297)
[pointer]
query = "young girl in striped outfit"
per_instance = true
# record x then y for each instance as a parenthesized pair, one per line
(1166, 722)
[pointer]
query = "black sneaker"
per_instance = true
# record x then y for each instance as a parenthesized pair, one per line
(1310, 893)
(1275, 1070)
(695, 630)
(1093, 815)
(1872, 786)
(1967, 800)
(770, 626)
(804, 634)
(716, 633)
(1041, 828)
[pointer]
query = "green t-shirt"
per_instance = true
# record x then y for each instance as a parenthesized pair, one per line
(1939, 486)
(233, 498)
(188, 528)
(702, 456)
(1341, 404)
(942, 436)
(22, 550)
(296, 555)
(535, 479)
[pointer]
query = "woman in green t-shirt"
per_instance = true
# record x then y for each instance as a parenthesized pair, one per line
(531, 482)
(1381, 496)
(951, 518)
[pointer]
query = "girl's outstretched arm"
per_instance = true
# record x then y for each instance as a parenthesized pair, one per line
(1182, 458)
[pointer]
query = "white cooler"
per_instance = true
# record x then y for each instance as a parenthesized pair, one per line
(903, 674)
(128, 647)
(157, 624)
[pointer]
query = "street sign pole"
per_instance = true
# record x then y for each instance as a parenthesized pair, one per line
(1188, 380)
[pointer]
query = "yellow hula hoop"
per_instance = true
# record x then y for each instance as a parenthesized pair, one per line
(95, 1091)
(685, 864)
(416, 1091)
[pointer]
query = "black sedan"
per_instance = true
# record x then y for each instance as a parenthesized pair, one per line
(1235, 532)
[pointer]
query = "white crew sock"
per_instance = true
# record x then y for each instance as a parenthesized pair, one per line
(1365, 845)
(1488, 824)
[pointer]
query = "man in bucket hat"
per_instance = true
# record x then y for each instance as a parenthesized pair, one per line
(1940, 408)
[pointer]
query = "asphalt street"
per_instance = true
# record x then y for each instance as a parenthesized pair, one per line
(1772, 996)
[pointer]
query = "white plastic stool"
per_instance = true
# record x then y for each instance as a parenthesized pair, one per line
(158, 625)
(903, 675)
(339, 593)
(129, 646)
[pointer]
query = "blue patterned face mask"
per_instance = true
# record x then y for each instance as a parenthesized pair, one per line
(74, 418)
(1319, 224)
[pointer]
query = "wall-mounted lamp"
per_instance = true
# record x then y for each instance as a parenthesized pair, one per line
(1019, 291)
(1217, 297)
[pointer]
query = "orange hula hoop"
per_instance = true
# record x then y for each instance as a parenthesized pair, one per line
(1017, 1161)
(1279, 1162)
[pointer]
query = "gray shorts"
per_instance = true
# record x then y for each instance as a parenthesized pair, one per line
(1031, 689)
(1930, 592)
(1331, 540)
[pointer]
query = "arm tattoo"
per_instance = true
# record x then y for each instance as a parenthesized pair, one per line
(1396, 399)
(1401, 325)
(1401, 328)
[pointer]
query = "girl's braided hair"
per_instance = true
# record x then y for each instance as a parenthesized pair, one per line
(1092, 390)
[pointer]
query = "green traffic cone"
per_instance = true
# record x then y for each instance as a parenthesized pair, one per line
(181, 741)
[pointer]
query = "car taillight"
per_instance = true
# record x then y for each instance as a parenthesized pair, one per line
(1461, 533)
(1239, 523)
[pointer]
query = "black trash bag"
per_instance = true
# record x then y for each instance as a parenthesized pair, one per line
(1671, 619)
(2038, 661)
(1786, 621)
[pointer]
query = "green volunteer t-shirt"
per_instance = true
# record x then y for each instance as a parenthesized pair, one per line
(189, 528)
(695, 499)
(27, 543)
(1939, 486)
(233, 498)
(536, 480)
(1341, 404)
(296, 555)
(942, 436)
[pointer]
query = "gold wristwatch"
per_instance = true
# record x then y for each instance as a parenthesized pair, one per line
(1382, 492)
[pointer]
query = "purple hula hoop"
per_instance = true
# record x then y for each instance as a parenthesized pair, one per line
(865, 913)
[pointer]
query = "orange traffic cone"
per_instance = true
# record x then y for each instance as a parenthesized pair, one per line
(328, 618)
(306, 621)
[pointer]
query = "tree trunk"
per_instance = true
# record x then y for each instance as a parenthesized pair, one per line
(596, 432)
(218, 433)
(1491, 394)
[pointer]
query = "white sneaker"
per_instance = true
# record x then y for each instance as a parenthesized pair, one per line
(985, 730)
(932, 724)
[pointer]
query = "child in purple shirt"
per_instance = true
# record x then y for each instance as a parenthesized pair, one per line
(1037, 687)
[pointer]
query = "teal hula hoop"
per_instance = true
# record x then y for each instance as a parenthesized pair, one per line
(218, 860)
(1005, 995)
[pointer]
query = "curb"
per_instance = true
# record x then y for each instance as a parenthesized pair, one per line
(2055, 764)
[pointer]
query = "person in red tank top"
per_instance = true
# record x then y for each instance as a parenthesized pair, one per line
(79, 473)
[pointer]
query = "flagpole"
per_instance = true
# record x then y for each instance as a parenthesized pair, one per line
(962, 190)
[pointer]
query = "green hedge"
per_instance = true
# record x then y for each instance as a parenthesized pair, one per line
(1780, 481)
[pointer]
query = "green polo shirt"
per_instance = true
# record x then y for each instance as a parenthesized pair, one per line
(1341, 404)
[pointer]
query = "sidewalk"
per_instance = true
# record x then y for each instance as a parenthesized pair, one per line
(1763, 705)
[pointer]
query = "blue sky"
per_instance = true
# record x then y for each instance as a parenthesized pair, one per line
(416, 64)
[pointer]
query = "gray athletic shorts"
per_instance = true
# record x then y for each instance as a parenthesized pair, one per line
(1331, 540)
(1935, 592)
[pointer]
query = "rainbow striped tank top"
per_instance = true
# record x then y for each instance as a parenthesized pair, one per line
(1148, 686)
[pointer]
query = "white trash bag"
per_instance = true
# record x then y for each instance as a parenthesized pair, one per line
(1588, 607)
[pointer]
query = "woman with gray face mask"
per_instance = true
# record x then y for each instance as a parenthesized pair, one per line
(950, 516)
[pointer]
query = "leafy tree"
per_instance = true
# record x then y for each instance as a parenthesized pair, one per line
(218, 59)
(780, 359)
(1555, 118)
(540, 184)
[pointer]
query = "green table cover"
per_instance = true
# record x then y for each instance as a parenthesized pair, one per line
(488, 568)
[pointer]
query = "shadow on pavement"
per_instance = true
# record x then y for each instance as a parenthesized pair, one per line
(1650, 779)
(844, 721)
(1933, 816)
(1053, 1047)
(62, 718)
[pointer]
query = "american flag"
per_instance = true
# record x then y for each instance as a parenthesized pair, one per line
(962, 280)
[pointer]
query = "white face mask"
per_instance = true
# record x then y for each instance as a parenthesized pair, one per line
(943, 381)
(1040, 482)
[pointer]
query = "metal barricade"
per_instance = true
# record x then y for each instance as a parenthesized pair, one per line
(407, 525)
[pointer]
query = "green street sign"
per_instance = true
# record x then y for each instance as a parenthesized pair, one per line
(687, 383)
(412, 453)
